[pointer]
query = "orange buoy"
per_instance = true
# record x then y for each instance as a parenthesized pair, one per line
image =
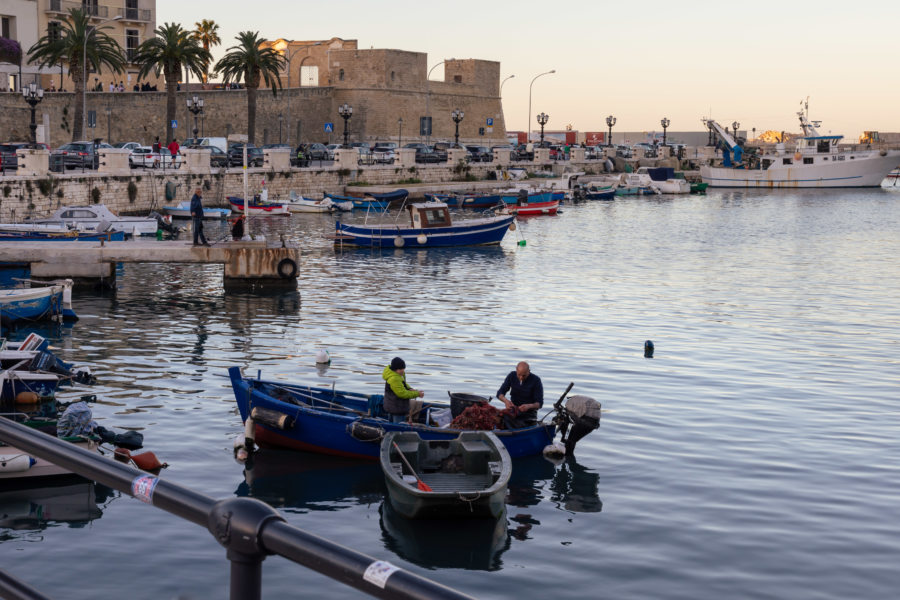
(27, 398)
(146, 461)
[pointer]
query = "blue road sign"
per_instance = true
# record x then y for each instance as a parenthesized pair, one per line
(489, 122)
(329, 127)
(174, 124)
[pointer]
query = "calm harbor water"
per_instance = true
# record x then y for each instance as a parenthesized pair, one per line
(755, 456)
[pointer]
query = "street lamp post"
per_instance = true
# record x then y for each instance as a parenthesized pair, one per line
(399, 133)
(87, 36)
(665, 125)
(735, 126)
(528, 130)
(457, 116)
(504, 81)
(346, 111)
(542, 120)
(33, 96)
(195, 106)
(610, 121)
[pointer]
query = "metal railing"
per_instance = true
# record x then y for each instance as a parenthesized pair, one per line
(249, 529)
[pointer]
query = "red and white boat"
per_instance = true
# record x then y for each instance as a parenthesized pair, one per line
(533, 209)
(255, 207)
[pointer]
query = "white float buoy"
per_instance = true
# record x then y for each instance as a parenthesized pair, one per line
(322, 357)
(399, 241)
(422, 238)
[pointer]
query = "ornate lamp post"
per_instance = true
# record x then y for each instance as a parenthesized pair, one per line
(33, 96)
(457, 116)
(195, 106)
(610, 121)
(528, 131)
(346, 111)
(542, 120)
(735, 126)
(665, 125)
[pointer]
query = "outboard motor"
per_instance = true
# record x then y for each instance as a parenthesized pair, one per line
(169, 228)
(522, 199)
(582, 413)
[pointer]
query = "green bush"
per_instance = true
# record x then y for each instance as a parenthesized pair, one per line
(95, 195)
(132, 191)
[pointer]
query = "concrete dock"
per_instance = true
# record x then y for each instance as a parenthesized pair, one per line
(248, 265)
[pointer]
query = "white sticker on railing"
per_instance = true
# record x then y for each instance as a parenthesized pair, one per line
(378, 573)
(142, 487)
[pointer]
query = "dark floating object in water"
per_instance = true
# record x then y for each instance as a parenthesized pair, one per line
(648, 349)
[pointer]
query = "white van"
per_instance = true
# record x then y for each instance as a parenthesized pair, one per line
(218, 142)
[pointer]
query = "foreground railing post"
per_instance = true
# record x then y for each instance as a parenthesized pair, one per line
(237, 524)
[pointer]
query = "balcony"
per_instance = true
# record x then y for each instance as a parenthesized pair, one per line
(62, 7)
(135, 15)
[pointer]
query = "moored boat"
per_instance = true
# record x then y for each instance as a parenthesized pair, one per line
(431, 226)
(299, 204)
(380, 201)
(816, 161)
(465, 477)
(342, 423)
(256, 207)
(183, 211)
(98, 218)
(665, 180)
(533, 209)
(37, 303)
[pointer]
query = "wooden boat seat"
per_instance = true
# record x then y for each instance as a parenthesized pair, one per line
(457, 482)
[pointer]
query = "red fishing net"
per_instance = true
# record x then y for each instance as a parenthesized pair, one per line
(481, 416)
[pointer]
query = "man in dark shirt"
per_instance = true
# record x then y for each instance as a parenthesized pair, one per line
(527, 393)
(197, 218)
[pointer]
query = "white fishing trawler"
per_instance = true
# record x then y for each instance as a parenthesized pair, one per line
(817, 161)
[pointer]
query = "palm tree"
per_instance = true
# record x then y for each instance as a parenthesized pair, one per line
(207, 33)
(172, 49)
(252, 62)
(77, 38)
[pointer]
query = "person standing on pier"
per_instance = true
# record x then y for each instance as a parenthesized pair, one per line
(197, 217)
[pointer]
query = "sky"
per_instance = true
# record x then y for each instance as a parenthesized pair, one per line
(753, 62)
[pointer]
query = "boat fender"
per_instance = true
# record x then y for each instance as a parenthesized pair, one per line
(323, 358)
(365, 433)
(399, 241)
(287, 268)
(272, 418)
(554, 450)
(27, 398)
(422, 238)
(797, 156)
(249, 435)
(16, 463)
(512, 226)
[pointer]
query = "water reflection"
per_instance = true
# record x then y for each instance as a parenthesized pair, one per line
(475, 544)
(310, 482)
(72, 501)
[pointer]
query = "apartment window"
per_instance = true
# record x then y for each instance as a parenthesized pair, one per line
(787, 161)
(132, 41)
(90, 7)
(341, 75)
(6, 27)
(53, 30)
(56, 5)
(808, 160)
(457, 78)
(131, 9)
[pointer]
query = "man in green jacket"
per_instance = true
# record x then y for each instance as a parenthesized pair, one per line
(397, 392)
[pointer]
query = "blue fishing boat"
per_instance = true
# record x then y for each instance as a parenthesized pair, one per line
(430, 227)
(33, 367)
(37, 303)
(67, 236)
(372, 201)
(330, 421)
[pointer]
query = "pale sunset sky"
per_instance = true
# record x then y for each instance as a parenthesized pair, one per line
(640, 60)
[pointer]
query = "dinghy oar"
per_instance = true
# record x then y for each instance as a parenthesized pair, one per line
(419, 483)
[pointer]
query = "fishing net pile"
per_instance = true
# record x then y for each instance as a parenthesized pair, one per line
(482, 417)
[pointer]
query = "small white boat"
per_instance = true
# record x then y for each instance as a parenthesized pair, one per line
(299, 204)
(98, 217)
(183, 211)
(664, 179)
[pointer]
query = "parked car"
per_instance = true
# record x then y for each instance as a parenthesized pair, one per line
(366, 156)
(79, 154)
(127, 145)
(217, 157)
(624, 151)
(384, 155)
(416, 145)
(236, 156)
(331, 148)
(523, 152)
(391, 145)
(8, 158)
(426, 154)
(315, 151)
(480, 154)
(144, 156)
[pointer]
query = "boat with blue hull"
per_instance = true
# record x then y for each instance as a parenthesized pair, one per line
(372, 201)
(431, 227)
(37, 303)
(489, 200)
(340, 423)
(61, 236)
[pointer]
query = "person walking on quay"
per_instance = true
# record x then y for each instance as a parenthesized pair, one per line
(174, 147)
(398, 394)
(197, 217)
(527, 394)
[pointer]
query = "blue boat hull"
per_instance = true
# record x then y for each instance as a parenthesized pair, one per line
(32, 309)
(360, 202)
(109, 236)
(322, 431)
(478, 233)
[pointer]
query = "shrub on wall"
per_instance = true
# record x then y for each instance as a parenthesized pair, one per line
(7, 190)
(132, 192)
(95, 195)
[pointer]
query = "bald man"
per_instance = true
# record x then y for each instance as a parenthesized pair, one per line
(526, 391)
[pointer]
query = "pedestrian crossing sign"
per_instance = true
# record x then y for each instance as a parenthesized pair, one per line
(329, 127)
